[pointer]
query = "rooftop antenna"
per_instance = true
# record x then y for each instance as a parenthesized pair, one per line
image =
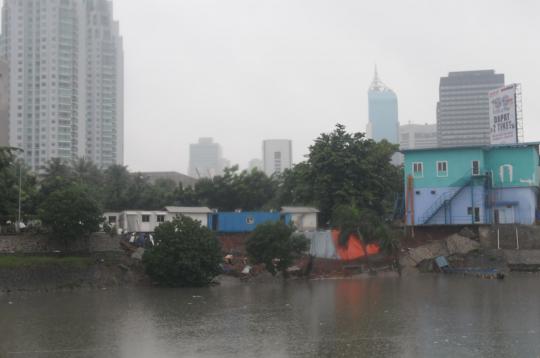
(377, 85)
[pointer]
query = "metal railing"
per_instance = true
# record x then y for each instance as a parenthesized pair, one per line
(465, 181)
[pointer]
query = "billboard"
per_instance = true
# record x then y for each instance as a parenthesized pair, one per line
(502, 115)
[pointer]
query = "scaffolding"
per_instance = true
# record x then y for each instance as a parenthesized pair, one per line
(519, 113)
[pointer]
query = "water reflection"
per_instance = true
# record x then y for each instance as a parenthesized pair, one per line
(423, 316)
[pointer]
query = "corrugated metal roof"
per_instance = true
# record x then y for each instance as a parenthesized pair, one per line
(527, 144)
(189, 209)
(298, 209)
(143, 212)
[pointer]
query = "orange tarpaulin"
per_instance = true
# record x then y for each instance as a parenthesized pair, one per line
(354, 248)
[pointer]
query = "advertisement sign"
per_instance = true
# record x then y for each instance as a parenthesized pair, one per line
(502, 115)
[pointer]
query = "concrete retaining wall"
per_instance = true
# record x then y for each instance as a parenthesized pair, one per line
(511, 237)
(39, 244)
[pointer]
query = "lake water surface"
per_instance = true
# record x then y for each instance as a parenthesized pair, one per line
(420, 316)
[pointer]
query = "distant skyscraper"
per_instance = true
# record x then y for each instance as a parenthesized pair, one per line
(383, 112)
(66, 80)
(4, 105)
(463, 107)
(417, 136)
(277, 155)
(205, 159)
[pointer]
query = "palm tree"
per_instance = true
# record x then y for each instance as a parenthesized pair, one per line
(85, 171)
(363, 222)
(117, 184)
(56, 167)
(55, 175)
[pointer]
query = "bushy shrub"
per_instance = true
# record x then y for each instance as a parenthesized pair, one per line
(70, 213)
(275, 245)
(185, 254)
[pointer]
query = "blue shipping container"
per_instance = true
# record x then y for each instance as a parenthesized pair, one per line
(241, 222)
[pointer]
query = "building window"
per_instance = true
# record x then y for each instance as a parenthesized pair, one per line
(475, 167)
(476, 213)
(442, 168)
(418, 169)
(506, 173)
(146, 218)
(161, 218)
(112, 219)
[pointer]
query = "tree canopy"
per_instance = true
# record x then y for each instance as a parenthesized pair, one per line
(275, 245)
(185, 254)
(341, 168)
(344, 168)
(70, 213)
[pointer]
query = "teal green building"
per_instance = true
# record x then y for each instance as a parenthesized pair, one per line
(472, 185)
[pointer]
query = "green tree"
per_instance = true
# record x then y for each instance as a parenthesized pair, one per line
(10, 170)
(185, 196)
(56, 175)
(247, 190)
(275, 245)
(185, 254)
(295, 186)
(116, 188)
(70, 213)
(344, 168)
(367, 225)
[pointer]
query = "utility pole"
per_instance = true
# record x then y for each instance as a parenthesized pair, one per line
(20, 190)
(18, 228)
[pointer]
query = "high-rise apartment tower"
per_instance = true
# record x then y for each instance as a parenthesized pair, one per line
(4, 105)
(65, 61)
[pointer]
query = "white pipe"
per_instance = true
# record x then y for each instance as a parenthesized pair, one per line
(498, 239)
(517, 239)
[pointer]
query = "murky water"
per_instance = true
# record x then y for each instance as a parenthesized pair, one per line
(425, 316)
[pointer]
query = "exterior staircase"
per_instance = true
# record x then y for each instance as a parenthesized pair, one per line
(441, 201)
(447, 197)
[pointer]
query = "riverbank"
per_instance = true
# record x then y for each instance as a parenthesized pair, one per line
(53, 272)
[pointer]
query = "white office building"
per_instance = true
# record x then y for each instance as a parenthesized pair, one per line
(65, 60)
(206, 159)
(417, 136)
(277, 155)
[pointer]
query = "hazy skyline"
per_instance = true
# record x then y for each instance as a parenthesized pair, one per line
(242, 71)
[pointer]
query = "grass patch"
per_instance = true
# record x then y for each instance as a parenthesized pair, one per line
(14, 261)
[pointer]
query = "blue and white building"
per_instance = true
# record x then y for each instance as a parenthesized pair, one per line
(495, 184)
(383, 112)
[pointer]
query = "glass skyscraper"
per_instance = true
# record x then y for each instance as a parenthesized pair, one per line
(383, 112)
(463, 107)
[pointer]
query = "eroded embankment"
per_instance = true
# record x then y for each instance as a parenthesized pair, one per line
(45, 273)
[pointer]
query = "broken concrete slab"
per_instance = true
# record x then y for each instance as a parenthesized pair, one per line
(457, 244)
(138, 254)
(428, 251)
(453, 245)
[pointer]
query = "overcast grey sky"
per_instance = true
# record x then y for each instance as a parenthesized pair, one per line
(245, 70)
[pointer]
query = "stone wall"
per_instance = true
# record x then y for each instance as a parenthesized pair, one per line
(34, 244)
